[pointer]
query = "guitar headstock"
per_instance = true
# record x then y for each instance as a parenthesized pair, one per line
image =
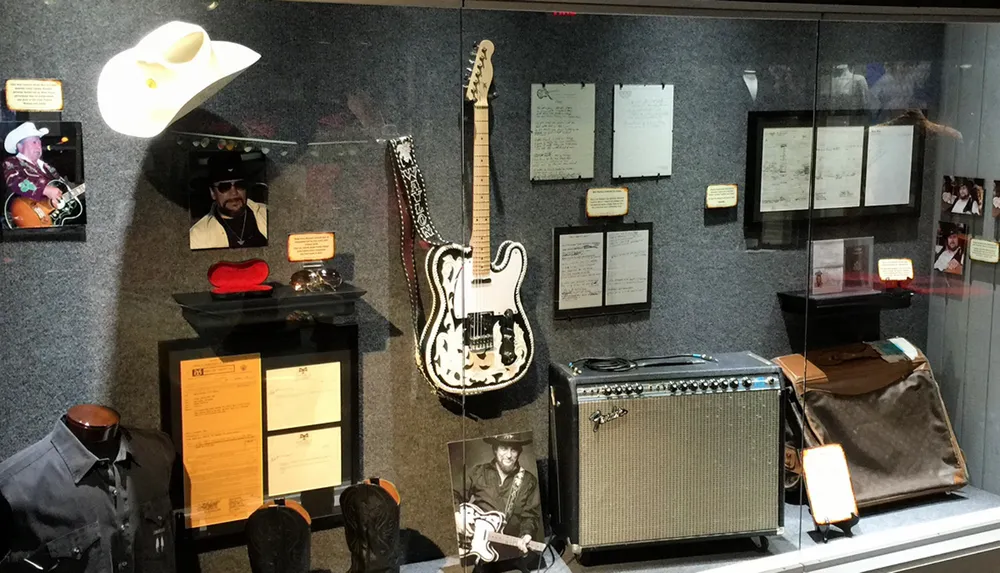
(480, 78)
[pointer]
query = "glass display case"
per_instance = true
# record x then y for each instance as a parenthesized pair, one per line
(339, 287)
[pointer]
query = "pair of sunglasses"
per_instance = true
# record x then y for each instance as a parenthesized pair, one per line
(225, 186)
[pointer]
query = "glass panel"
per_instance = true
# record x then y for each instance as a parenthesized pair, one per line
(659, 105)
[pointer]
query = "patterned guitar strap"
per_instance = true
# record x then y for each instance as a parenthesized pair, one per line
(513, 494)
(414, 221)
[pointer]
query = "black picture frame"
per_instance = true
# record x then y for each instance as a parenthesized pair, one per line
(603, 309)
(757, 122)
(323, 504)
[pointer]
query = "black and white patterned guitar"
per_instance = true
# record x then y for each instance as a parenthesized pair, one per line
(477, 337)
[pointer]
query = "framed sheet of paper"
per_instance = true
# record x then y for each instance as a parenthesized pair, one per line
(832, 164)
(602, 269)
(644, 131)
(238, 424)
(562, 131)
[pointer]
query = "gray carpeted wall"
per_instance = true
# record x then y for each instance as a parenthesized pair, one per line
(80, 321)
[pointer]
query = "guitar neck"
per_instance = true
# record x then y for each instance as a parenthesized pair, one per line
(480, 241)
(512, 541)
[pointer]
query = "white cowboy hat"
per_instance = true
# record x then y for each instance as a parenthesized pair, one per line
(168, 73)
(26, 129)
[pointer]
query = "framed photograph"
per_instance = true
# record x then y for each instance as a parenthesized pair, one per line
(950, 248)
(228, 200)
(498, 509)
(832, 165)
(963, 196)
(43, 192)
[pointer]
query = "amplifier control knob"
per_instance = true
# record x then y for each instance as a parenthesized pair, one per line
(714, 384)
(747, 383)
(704, 385)
(673, 387)
(684, 386)
(607, 390)
(772, 380)
(629, 389)
(734, 384)
(639, 389)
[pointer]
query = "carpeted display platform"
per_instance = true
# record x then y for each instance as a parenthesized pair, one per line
(688, 558)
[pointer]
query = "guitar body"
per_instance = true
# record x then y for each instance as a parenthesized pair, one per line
(477, 337)
(481, 523)
(24, 213)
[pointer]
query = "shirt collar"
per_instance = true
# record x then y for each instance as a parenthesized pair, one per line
(40, 163)
(79, 460)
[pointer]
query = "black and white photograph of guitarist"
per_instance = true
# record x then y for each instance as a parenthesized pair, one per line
(39, 191)
(498, 476)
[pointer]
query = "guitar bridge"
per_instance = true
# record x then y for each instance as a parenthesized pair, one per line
(479, 331)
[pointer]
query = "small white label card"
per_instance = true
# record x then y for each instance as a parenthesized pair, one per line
(895, 269)
(984, 251)
(828, 483)
(607, 202)
(721, 196)
(34, 95)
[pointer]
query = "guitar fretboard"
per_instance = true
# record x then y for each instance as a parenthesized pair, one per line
(480, 241)
(512, 541)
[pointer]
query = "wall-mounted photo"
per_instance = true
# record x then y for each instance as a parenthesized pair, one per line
(962, 195)
(43, 191)
(949, 252)
(228, 200)
(996, 199)
(498, 513)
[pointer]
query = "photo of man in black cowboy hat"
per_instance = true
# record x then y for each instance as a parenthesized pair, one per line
(499, 474)
(234, 220)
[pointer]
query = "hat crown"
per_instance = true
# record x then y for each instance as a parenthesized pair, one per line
(176, 44)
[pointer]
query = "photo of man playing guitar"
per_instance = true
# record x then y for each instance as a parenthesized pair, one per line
(38, 195)
(498, 516)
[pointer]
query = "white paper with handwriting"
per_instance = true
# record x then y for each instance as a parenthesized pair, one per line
(562, 131)
(644, 131)
(627, 272)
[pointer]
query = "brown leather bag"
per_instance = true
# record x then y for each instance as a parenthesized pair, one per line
(887, 415)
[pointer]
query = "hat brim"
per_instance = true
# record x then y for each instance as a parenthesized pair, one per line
(12, 139)
(496, 442)
(122, 93)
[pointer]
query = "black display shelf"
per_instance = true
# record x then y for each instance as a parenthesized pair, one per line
(837, 319)
(798, 302)
(209, 316)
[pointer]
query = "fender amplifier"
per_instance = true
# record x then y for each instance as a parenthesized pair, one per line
(668, 453)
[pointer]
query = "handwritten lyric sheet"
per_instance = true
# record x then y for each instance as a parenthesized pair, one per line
(839, 152)
(627, 273)
(581, 266)
(786, 155)
(890, 163)
(562, 131)
(644, 131)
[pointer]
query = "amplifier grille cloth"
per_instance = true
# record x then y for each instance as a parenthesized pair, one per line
(678, 467)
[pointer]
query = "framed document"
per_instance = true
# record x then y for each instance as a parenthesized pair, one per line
(602, 269)
(280, 423)
(832, 164)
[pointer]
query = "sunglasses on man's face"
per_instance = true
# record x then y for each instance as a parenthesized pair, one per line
(225, 186)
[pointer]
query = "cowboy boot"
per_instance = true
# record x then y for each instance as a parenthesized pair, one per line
(371, 526)
(278, 540)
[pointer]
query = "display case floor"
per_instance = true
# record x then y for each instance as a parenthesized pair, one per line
(689, 558)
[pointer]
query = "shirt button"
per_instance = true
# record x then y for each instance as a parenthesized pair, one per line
(123, 565)
(114, 491)
(76, 552)
(121, 528)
